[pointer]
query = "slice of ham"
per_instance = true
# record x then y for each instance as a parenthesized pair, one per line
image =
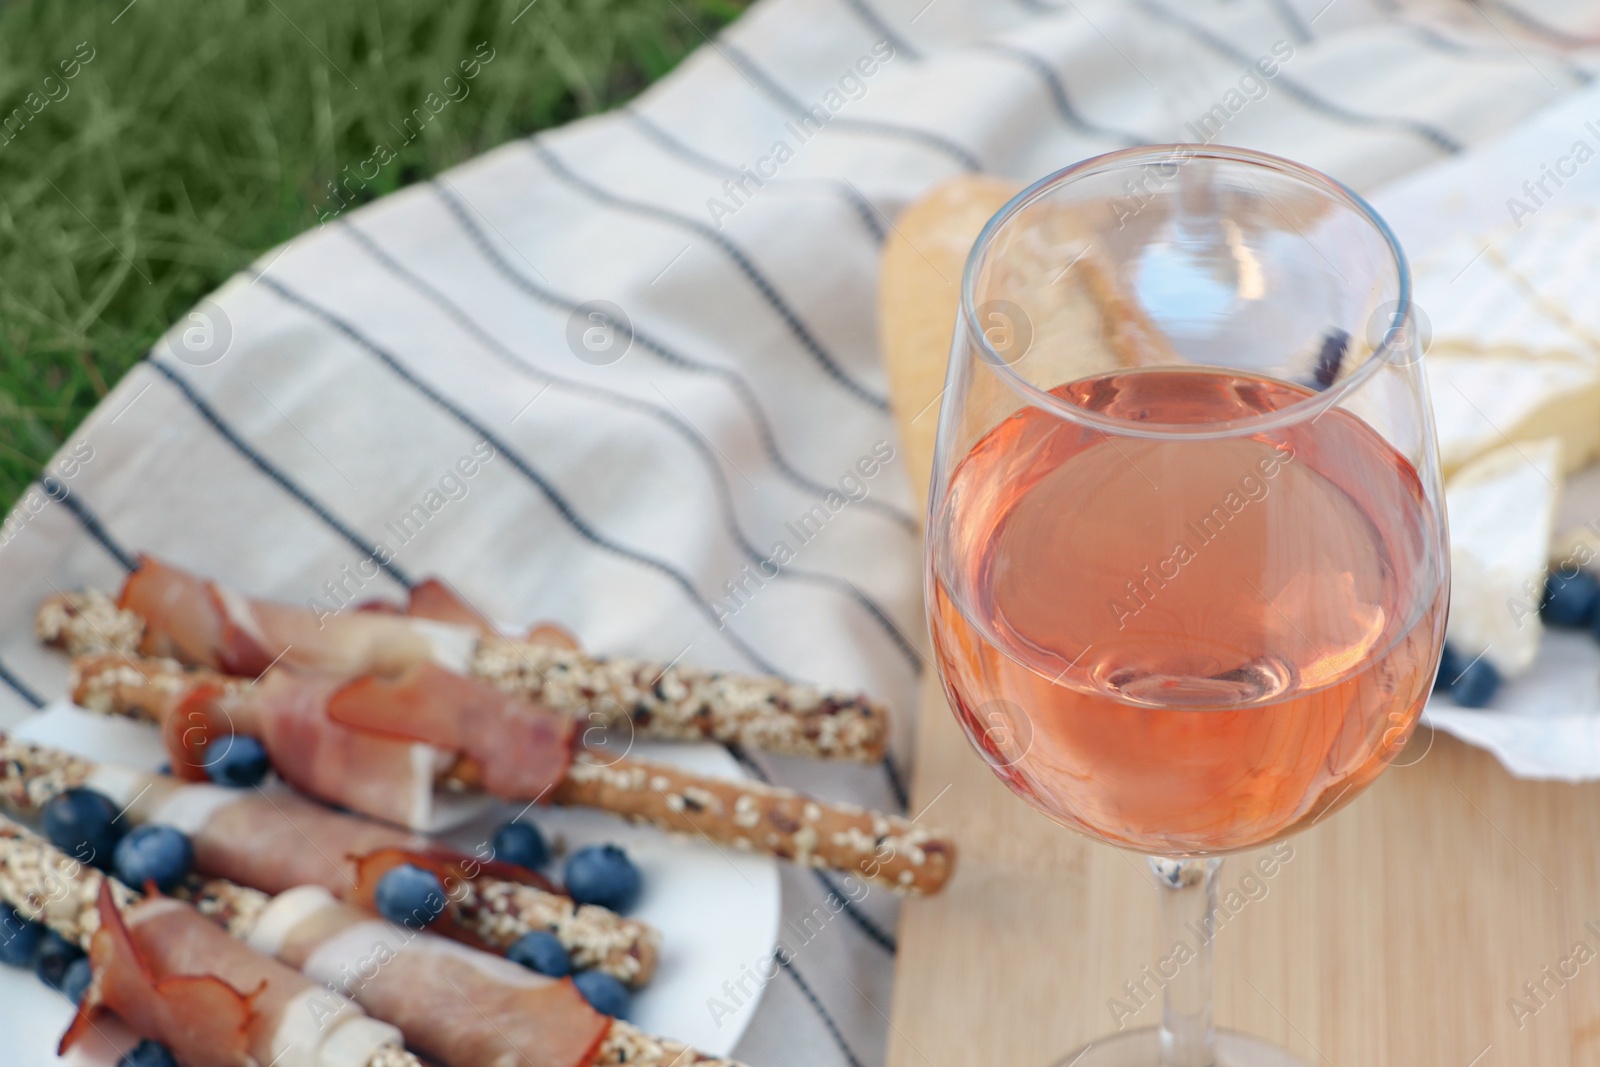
(186, 620)
(382, 776)
(375, 745)
(275, 840)
(206, 624)
(456, 1006)
(174, 976)
(433, 599)
(196, 1013)
(103, 1046)
(522, 749)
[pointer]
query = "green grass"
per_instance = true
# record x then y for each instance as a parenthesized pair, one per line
(203, 132)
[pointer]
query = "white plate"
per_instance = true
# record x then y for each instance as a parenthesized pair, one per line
(717, 910)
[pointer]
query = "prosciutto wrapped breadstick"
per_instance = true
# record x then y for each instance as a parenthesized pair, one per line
(883, 849)
(172, 976)
(275, 840)
(456, 1006)
(163, 611)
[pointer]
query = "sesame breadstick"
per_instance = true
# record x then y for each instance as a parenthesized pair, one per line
(45, 885)
(684, 703)
(495, 910)
(626, 1045)
(882, 849)
(672, 702)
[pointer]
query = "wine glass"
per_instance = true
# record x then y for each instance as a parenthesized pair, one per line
(1187, 564)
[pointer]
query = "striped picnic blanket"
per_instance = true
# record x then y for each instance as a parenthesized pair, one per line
(624, 374)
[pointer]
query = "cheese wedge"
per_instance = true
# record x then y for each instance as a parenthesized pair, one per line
(1482, 402)
(1512, 355)
(1502, 508)
(1474, 302)
(1555, 258)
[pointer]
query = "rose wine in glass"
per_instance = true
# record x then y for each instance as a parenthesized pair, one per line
(1187, 570)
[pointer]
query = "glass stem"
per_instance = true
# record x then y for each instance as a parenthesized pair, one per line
(1188, 890)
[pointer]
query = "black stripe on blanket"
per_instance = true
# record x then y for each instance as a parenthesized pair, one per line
(871, 127)
(284, 482)
(88, 520)
(875, 933)
(20, 687)
(1297, 26)
(787, 964)
(876, 22)
(682, 430)
(1440, 42)
(897, 785)
(559, 503)
(1058, 94)
(1427, 132)
(1532, 23)
(769, 292)
(741, 388)
(673, 145)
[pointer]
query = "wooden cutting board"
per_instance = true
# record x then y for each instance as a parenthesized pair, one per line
(1400, 933)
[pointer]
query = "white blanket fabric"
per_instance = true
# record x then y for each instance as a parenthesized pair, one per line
(286, 435)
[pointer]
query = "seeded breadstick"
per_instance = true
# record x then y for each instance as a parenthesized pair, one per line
(495, 910)
(47, 886)
(672, 702)
(883, 849)
(683, 703)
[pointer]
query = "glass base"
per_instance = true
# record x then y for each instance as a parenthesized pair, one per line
(1142, 1048)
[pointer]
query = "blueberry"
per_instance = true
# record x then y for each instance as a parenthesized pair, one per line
(410, 896)
(604, 993)
(1477, 684)
(541, 951)
(521, 843)
(147, 1054)
(237, 761)
(54, 957)
(75, 983)
(83, 824)
(604, 875)
(1570, 601)
(1450, 664)
(159, 854)
(19, 938)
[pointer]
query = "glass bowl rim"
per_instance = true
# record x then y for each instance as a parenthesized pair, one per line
(1309, 408)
